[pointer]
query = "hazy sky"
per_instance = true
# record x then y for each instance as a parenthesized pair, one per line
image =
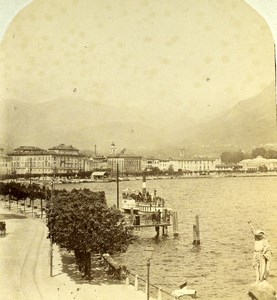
(194, 55)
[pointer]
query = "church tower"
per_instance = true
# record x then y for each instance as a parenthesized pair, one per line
(113, 149)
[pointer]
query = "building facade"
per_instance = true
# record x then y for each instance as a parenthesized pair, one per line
(66, 159)
(258, 163)
(56, 160)
(126, 164)
(189, 165)
(96, 163)
(5, 163)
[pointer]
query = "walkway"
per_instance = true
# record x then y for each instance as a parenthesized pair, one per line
(25, 271)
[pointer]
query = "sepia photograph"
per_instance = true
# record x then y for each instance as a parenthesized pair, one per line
(138, 149)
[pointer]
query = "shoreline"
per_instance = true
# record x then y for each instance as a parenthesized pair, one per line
(210, 176)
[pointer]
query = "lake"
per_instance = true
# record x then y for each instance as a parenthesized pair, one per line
(221, 267)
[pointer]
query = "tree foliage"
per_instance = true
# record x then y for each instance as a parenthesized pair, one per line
(230, 157)
(264, 153)
(81, 221)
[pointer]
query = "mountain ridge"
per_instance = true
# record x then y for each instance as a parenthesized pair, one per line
(84, 124)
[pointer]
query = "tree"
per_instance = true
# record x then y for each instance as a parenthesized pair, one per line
(170, 170)
(230, 157)
(81, 221)
(264, 153)
(154, 171)
(259, 152)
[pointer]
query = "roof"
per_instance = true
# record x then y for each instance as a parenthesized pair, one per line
(63, 147)
(130, 191)
(123, 156)
(98, 173)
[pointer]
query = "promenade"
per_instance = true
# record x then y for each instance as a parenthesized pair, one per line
(25, 271)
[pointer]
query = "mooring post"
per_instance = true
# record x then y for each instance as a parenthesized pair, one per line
(196, 231)
(194, 235)
(175, 224)
(197, 228)
(127, 281)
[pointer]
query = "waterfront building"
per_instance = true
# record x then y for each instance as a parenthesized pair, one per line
(126, 164)
(66, 159)
(30, 160)
(186, 165)
(56, 160)
(258, 163)
(95, 163)
(149, 163)
(227, 167)
(199, 164)
(164, 164)
(5, 163)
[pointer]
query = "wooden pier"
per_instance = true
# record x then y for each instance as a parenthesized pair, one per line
(149, 225)
(137, 222)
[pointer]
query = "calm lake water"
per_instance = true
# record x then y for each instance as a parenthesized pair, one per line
(221, 268)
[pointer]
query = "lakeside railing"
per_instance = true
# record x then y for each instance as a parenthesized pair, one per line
(140, 284)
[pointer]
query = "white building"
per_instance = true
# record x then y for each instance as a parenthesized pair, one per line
(58, 160)
(192, 165)
(257, 163)
(5, 163)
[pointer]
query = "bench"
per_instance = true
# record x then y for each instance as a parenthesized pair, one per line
(115, 269)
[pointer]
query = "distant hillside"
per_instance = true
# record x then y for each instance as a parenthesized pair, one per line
(84, 124)
(249, 123)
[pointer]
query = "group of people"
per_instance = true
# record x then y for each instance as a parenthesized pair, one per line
(147, 198)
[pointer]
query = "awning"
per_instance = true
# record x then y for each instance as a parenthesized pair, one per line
(98, 173)
(130, 191)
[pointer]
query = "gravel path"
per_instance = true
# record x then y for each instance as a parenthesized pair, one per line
(25, 270)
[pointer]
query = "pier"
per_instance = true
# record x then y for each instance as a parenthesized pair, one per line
(145, 211)
(162, 221)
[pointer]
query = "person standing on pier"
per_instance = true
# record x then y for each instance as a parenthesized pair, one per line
(262, 254)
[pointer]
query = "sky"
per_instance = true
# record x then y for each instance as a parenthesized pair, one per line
(200, 56)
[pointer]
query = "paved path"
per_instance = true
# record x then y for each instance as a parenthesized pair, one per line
(25, 271)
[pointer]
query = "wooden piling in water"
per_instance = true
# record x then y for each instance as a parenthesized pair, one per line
(175, 223)
(196, 231)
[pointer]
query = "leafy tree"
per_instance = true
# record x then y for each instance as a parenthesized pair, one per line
(264, 153)
(154, 171)
(180, 172)
(231, 157)
(170, 170)
(263, 169)
(259, 152)
(81, 221)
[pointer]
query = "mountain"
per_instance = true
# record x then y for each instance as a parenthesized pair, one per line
(249, 123)
(84, 124)
(81, 123)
